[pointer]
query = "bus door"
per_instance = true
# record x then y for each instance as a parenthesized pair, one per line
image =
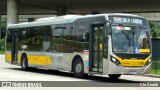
(96, 48)
(14, 50)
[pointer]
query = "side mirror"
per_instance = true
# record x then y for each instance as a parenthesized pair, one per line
(109, 32)
(109, 29)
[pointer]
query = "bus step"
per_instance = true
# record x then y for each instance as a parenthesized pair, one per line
(93, 72)
(15, 62)
(96, 69)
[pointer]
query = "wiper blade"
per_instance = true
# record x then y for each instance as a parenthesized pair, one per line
(138, 28)
(126, 35)
(123, 31)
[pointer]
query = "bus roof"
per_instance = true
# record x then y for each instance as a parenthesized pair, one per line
(64, 19)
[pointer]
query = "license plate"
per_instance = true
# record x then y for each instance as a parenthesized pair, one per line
(132, 72)
(138, 63)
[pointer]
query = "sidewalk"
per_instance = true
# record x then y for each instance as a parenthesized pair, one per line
(153, 75)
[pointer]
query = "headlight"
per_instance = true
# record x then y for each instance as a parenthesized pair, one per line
(115, 61)
(148, 62)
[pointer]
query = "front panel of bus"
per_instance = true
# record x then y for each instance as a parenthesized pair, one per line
(130, 46)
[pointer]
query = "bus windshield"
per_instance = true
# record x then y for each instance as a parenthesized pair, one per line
(130, 39)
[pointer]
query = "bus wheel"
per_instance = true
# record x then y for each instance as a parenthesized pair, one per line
(114, 76)
(24, 63)
(78, 68)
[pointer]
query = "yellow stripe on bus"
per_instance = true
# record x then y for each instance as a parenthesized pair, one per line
(19, 58)
(128, 62)
(144, 50)
(8, 57)
(132, 63)
(41, 60)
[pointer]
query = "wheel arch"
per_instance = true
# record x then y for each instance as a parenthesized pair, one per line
(74, 59)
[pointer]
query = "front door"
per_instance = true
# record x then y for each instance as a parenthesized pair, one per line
(96, 51)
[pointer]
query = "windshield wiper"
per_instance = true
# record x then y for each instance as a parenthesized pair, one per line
(139, 31)
(123, 31)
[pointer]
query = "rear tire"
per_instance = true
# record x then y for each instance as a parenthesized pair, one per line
(114, 76)
(78, 68)
(24, 63)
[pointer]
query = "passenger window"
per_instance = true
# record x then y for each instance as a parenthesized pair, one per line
(81, 27)
(47, 38)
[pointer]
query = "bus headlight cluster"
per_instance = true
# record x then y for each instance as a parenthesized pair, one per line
(115, 61)
(148, 62)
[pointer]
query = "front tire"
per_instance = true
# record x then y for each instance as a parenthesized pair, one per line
(114, 76)
(78, 68)
(24, 63)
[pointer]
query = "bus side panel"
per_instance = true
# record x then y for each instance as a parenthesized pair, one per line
(82, 36)
(8, 56)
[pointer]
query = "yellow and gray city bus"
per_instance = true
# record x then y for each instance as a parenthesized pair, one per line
(112, 44)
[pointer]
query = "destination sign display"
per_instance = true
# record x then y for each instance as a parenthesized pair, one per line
(128, 20)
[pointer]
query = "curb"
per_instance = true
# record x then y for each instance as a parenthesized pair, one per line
(152, 75)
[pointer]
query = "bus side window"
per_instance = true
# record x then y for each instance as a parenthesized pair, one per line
(58, 37)
(67, 37)
(8, 43)
(9, 35)
(46, 38)
(73, 37)
(82, 37)
(34, 40)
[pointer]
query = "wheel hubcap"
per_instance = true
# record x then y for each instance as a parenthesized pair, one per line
(78, 68)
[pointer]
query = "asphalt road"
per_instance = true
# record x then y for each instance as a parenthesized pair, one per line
(14, 73)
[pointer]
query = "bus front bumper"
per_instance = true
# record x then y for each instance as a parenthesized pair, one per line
(114, 69)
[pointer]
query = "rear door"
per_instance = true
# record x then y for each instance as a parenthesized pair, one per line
(14, 48)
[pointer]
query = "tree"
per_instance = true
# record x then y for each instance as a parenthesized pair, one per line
(3, 28)
(2, 44)
(155, 30)
(3, 34)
